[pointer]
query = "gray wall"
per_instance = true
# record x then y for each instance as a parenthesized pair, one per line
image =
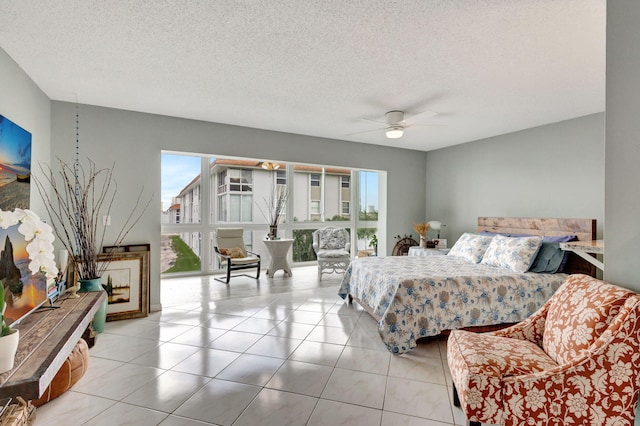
(622, 176)
(555, 170)
(22, 102)
(134, 141)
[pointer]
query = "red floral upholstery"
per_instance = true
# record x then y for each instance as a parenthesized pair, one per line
(575, 361)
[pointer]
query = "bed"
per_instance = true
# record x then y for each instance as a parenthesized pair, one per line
(418, 297)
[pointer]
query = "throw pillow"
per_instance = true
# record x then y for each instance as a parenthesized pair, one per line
(516, 254)
(234, 252)
(471, 246)
(332, 239)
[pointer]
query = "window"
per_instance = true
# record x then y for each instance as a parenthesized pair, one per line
(239, 180)
(236, 205)
(247, 180)
(236, 188)
(222, 182)
(222, 208)
(345, 208)
(315, 206)
(367, 209)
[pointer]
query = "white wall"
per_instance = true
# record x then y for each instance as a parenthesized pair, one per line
(22, 102)
(134, 141)
(555, 170)
(622, 175)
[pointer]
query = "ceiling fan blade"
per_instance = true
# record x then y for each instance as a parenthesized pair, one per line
(366, 131)
(427, 125)
(372, 120)
(421, 115)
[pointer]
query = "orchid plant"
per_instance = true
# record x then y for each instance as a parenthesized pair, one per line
(40, 249)
(40, 237)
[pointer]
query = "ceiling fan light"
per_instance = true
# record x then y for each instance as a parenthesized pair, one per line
(394, 133)
(270, 166)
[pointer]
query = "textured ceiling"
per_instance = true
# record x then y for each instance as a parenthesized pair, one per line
(487, 67)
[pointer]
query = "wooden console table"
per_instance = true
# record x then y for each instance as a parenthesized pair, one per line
(47, 337)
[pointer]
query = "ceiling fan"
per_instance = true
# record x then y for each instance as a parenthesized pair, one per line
(396, 123)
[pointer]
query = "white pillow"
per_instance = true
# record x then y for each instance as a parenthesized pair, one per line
(471, 246)
(514, 253)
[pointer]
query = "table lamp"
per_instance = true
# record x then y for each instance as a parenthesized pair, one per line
(436, 226)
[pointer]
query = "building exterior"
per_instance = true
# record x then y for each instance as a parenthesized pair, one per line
(243, 192)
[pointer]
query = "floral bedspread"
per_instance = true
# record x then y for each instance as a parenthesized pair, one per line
(417, 297)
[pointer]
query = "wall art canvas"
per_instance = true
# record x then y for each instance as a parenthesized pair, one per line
(15, 165)
(24, 292)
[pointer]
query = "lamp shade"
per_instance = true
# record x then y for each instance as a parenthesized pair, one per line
(435, 225)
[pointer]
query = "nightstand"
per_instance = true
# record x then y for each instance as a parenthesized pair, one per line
(421, 251)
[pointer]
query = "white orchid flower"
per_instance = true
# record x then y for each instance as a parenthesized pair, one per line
(27, 215)
(45, 264)
(40, 247)
(30, 229)
(40, 236)
(9, 219)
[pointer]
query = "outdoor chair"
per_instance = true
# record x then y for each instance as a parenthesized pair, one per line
(233, 253)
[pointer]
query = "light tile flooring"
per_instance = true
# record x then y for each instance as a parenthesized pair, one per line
(284, 351)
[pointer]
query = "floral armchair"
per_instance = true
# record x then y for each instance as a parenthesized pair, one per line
(575, 361)
(332, 247)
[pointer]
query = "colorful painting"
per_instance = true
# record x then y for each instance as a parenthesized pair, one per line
(23, 291)
(15, 165)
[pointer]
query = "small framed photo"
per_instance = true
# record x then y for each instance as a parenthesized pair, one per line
(126, 280)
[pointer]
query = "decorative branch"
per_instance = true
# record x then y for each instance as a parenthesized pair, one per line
(421, 228)
(78, 200)
(275, 204)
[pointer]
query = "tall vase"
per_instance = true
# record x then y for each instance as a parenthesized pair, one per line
(423, 242)
(100, 317)
(8, 348)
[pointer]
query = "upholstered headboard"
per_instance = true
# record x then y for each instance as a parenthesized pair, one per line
(583, 229)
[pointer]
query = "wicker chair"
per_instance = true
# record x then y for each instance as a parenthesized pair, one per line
(332, 249)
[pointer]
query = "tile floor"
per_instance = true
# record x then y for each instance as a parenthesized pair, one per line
(284, 351)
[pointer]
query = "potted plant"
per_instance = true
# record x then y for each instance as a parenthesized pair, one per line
(275, 208)
(374, 243)
(8, 338)
(77, 200)
(422, 229)
(39, 237)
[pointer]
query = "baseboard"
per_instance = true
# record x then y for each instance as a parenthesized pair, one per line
(155, 307)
